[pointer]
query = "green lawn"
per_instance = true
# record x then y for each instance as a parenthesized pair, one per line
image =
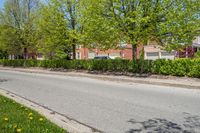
(15, 118)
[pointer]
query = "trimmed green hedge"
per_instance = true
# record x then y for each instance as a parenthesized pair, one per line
(91, 65)
(178, 67)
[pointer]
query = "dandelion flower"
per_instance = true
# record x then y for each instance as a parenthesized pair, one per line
(41, 119)
(6, 119)
(30, 114)
(31, 118)
(19, 130)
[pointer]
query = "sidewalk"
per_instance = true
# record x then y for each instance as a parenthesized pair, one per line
(182, 82)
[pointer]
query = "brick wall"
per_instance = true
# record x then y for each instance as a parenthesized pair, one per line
(124, 53)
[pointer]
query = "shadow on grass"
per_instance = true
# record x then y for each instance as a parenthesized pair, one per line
(157, 125)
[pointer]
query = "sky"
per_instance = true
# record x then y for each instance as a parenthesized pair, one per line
(1, 3)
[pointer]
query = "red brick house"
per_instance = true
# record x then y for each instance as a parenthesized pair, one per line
(124, 53)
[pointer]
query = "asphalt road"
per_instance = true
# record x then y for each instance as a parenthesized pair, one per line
(112, 107)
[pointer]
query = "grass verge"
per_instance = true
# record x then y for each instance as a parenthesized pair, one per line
(15, 118)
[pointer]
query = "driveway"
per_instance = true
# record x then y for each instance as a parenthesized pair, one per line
(112, 107)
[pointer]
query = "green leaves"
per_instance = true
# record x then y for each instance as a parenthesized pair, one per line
(53, 31)
(56, 27)
(17, 24)
(59, 28)
(98, 27)
(167, 22)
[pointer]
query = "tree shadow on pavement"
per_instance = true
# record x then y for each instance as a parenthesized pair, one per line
(191, 124)
(3, 80)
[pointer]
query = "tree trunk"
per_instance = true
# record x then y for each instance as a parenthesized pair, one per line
(74, 51)
(25, 56)
(134, 52)
(142, 61)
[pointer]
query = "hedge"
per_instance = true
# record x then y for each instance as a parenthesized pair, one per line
(91, 65)
(178, 67)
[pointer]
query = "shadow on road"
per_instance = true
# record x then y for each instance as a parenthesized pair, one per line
(3, 80)
(157, 125)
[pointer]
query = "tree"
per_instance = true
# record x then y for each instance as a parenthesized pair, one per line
(99, 29)
(17, 26)
(52, 28)
(10, 41)
(74, 28)
(59, 27)
(180, 24)
(139, 21)
(3, 54)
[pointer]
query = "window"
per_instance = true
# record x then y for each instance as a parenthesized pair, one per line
(153, 54)
(78, 55)
(167, 53)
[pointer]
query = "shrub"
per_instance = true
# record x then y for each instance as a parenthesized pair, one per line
(178, 67)
(197, 54)
(194, 70)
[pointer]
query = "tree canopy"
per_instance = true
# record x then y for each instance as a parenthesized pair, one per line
(55, 28)
(169, 23)
(17, 24)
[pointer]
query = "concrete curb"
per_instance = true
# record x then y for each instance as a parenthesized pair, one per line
(69, 124)
(153, 81)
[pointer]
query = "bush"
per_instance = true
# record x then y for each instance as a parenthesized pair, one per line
(197, 54)
(117, 65)
(178, 67)
(194, 70)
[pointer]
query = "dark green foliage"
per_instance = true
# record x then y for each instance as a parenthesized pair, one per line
(178, 67)
(3, 54)
(90, 65)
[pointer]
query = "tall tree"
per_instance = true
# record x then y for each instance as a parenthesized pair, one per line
(17, 26)
(139, 21)
(59, 22)
(99, 28)
(52, 27)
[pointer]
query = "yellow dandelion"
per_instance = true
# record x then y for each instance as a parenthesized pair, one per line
(31, 118)
(19, 130)
(5, 119)
(41, 119)
(30, 114)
